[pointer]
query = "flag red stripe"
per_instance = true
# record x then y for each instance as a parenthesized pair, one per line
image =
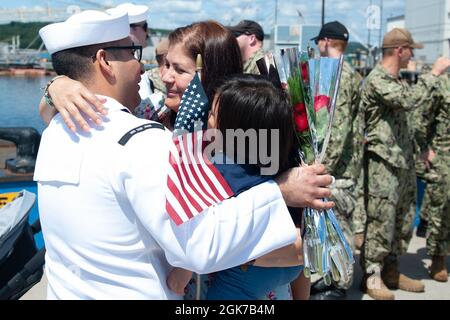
(193, 169)
(173, 214)
(199, 165)
(179, 196)
(191, 159)
(210, 182)
(219, 177)
(216, 173)
(199, 207)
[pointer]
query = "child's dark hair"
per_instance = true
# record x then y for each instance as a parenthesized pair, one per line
(247, 101)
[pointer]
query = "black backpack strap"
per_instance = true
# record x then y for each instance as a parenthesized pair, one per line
(127, 136)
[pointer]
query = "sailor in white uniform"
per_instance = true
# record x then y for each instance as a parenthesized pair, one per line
(102, 194)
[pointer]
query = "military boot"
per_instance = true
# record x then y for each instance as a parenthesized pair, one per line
(374, 286)
(396, 280)
(438, 270)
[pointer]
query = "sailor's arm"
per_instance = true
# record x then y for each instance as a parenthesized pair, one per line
(233, 232)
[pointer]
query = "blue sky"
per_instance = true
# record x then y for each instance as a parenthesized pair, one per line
(174, 13)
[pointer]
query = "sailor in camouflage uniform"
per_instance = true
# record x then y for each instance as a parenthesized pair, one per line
(388, 103)
(250, 37)
(344, 151)
(434, 142)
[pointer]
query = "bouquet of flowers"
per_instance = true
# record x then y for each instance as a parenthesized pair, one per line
(313, 86)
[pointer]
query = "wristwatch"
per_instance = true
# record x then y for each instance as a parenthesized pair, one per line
(47, 97)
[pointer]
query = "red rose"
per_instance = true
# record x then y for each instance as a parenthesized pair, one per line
(304, 67)
(300, 117)
(321, 102)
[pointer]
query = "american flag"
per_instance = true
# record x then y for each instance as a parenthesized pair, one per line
(193, 182)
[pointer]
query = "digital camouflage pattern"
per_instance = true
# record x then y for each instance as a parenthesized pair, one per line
(250, 65)
(388, 105)
(391, 208)
(433, 132)
(154, 76)
(344, 151)
(359, 216)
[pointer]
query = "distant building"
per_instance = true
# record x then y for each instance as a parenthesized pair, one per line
(296, 35)
(357, 54)
(429, 23)
(395, 22)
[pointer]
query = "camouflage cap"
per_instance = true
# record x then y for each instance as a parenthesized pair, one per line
(399, 37)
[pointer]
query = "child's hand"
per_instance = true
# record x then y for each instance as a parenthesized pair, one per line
(178, 279)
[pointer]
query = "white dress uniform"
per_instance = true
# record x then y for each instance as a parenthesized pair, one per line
(106, 230)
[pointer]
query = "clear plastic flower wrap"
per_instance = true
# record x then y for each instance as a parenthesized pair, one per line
(313, 85)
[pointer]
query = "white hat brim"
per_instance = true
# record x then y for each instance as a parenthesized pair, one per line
(72, 34)
(136, 13)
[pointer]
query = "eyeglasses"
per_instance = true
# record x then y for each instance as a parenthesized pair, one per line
(136, 50)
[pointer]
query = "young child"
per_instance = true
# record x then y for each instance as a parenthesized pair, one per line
(252, 102)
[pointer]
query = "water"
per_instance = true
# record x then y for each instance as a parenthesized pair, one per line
(19, 107)
(19, 101)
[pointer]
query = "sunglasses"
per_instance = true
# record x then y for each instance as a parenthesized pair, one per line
(240, 33)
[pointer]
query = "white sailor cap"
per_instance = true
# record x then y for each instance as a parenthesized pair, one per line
(136, 13)
(85, 28)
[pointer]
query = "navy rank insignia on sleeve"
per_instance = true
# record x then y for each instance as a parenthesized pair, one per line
(127, 136)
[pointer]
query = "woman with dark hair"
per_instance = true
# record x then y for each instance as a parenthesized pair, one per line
(249, 102)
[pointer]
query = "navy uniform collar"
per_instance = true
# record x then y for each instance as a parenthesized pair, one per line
(113, 105)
